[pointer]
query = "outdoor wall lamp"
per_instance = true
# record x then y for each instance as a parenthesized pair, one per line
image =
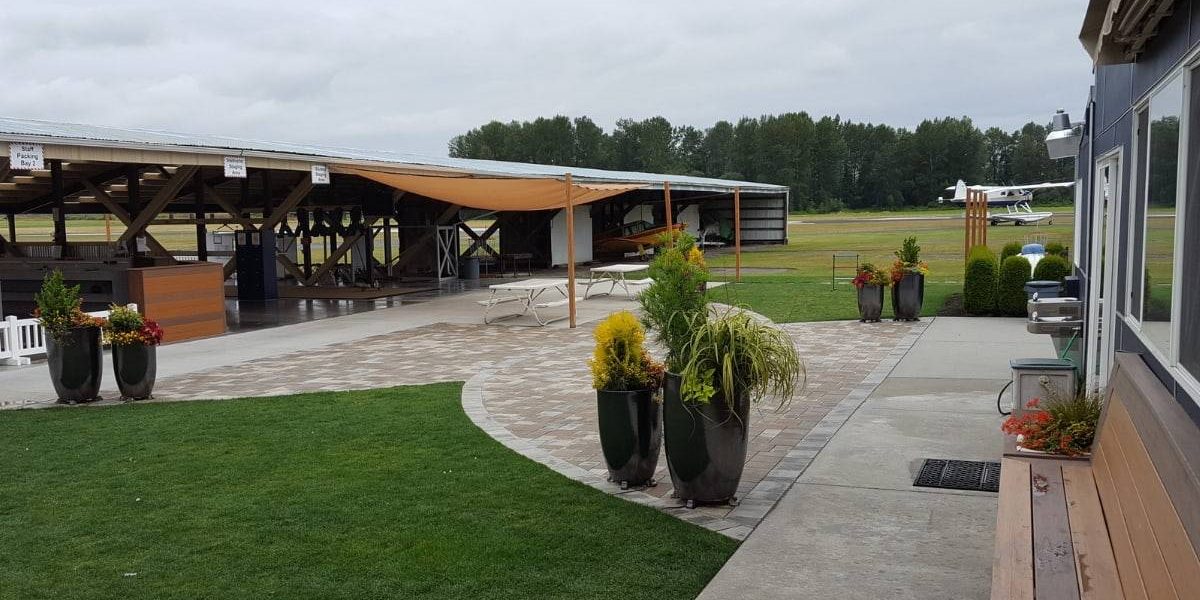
(1063, 140)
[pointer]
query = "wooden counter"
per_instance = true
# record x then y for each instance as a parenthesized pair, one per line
(187, 300)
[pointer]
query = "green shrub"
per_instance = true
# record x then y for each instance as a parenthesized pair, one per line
(1056, 249)
(979, 283)
(1010, 249)
(1010, 289)
(1052, 267)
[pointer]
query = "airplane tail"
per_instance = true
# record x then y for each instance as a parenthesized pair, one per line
(960, 190)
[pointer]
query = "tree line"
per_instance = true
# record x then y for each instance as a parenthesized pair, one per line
(828, 163)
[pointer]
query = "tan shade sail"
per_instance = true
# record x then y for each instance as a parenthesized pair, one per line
(494, 193)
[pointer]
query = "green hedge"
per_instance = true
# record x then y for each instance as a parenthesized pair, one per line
(979, 282)
(1010, 249)
(1052, 267)
(1010, 293)
(1057, 249)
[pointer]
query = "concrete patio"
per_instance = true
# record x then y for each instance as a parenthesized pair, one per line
(853, 526)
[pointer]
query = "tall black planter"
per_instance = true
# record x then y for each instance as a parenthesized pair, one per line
(135, 366)
(630, 435)
(706, 444)
(870, 303)
(907, 297)
(76, 364)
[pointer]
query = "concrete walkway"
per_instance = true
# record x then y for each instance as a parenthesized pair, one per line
(853, 526)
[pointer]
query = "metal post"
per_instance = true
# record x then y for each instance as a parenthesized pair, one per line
(201, 227)
(570, 203)
(737, 234)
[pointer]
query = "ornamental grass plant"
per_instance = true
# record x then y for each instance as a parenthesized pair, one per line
(732, 354)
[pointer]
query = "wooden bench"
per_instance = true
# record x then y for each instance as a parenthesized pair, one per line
(1123, 524)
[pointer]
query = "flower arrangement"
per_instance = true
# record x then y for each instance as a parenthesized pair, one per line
(1059, 426)
(620, 361)
(908, 260)
(59, 307)
(127, 327)
(869, 274)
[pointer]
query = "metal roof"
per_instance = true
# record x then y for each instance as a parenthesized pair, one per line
(71, 134)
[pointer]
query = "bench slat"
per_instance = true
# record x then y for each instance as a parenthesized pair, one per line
(1118, 533)
(1177, 552)
(1095, 566)
(1012, 570)
(1150, 563)
(1053, 560)
(552, 304)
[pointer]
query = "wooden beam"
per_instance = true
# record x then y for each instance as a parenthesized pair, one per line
(481, 241)
(60, 217)
(229, 207)
(337, 254)
(737, 234)
(114, 207)
(407, 256)
(5, 169)
(289, 203)
(570, 204)
(230, 267)
(161, 199)
(289, 266)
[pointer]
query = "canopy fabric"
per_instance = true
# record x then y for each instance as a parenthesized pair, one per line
(494, 193)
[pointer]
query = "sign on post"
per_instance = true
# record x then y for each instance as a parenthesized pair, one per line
(26, 157)
(320, 174)
(235, 166)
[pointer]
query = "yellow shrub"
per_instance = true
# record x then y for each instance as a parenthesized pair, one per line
(620, 361)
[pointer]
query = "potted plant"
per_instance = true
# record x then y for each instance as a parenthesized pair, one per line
(134, 354)
(870, 282)
(627, 382)
(908, 281)
(1059, 426)
(73, 351)
(729, 361)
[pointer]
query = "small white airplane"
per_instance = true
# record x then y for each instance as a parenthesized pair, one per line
(1014, 198)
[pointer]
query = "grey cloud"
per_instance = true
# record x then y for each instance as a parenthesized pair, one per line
(409, 75)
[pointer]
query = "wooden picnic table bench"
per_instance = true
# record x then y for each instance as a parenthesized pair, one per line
(1124, 523)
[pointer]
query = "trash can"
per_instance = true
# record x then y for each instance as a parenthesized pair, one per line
(1043, 289)
(1041, 378)
(468, 268)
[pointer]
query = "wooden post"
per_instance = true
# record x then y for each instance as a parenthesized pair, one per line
(133, 189)
(387, 244)
(12, 228)
(571, 249)
(976, 220)
(201, 227)
(667, 205)
(60, 217)
(737, 234)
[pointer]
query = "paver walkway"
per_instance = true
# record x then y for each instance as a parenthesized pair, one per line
(532, 387)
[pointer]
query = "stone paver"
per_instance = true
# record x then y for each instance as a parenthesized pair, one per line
(530, 389)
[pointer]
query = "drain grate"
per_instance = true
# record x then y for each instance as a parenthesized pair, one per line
(975, 475)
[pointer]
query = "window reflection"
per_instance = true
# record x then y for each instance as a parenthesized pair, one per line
(1158, 275)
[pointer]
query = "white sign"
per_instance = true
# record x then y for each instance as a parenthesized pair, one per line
(320, 174)
(26, 157)
(235, 166)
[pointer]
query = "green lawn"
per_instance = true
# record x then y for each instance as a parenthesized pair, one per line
(791, 299)
(388, 493)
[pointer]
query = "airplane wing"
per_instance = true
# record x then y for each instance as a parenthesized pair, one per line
(1029, 187)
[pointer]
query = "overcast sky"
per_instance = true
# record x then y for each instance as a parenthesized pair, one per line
(410, 75)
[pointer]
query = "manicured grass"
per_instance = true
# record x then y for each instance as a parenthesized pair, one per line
(388, 493)
(790, 298)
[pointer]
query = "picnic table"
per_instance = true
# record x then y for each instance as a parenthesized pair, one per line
(616, 275)
(527, 293)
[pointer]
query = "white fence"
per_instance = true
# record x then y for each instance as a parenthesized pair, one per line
(22, 338)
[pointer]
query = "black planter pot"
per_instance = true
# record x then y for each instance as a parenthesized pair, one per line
(135, 366)
(907, 297)
(76, 364)
(706, 445)
(630, 435)
(870, 303)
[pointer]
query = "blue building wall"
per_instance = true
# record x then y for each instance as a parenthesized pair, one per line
(1109, 125)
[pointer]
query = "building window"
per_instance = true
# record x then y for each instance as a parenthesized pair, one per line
(1189, 304)
(1155, 215)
